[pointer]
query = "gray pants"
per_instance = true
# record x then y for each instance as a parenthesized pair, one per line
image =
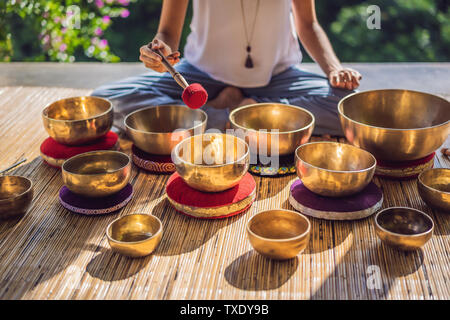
(293, 86)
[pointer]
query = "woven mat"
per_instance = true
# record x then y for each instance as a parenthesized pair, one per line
(53, 254)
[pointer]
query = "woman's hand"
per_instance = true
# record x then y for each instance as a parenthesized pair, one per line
(153, 61)
(344, 78)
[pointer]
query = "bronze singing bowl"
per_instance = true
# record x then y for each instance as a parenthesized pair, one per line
(16, 194)
(158, 129)
(434, 188)
(403, 228)
(395, 125)
(97, 173)
(279, 234)
(333, 169)
(135, 235)
(78, 120)
(272, 128)
(211, 162)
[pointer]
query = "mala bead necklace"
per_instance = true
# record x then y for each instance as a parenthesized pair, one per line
(249, 61)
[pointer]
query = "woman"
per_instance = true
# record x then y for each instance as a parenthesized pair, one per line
(242, 52)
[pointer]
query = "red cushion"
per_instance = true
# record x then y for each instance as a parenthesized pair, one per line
(180, 192)
(56, 150)
(218, 217)
(404, 170)
(405, 164)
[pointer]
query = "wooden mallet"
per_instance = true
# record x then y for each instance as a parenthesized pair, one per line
(194, 95)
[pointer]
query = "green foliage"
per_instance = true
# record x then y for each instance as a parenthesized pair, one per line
(411, 30)
(58, 30)
(36, 30)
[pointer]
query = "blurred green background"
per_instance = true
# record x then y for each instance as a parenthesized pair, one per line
(113, 30)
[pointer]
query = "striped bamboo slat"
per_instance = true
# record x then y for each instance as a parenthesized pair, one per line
(54, 254)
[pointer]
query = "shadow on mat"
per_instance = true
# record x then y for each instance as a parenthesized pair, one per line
(269, 187)
(372, 279)
(110, 266)
(49, 239)
(440, 218)
(253, 272)
(184, 234)
(323, 235)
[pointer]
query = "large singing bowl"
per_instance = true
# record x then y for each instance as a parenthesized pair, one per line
(158, 129)
(395, 125)
(97, 173)
(272, 128)
(333, 169)
(211, 162)
(78, 120)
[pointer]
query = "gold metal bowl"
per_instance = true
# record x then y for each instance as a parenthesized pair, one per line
(16, 194)
(434, 188)
(279, 234)
(403, 228)
(211, 162)
(395, 125)
(272, 128)
(97, 173)
(334, 169)
(135, 235)
(158, 129)
(78, 120)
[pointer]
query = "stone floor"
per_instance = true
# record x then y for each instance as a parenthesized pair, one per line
(428, 77)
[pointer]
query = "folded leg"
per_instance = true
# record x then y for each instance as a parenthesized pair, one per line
(152, 89)
(307, 90)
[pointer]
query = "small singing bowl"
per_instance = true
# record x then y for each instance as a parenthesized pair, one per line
(395, 125)
(158, 129)
(272, 128)
(334, 169)
(403, 228)
(16, 194)
(279, 234)
(78, 120)
(211, 162)
(135, 235)
(97, 173)
(434, 188)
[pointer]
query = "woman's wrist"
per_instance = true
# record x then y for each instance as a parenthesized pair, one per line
(167, 40)
(332, 68)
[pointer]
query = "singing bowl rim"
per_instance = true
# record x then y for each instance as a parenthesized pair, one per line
(93, 152)
(45, 110)
(378, 225)
(232, 113)
(109, 228)
(422, 183)
(128, 127)
(298, 237)
(21, 194)
(341, 112)
(372, 167)
(175, 152)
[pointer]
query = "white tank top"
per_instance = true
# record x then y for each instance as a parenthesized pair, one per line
(217, 42)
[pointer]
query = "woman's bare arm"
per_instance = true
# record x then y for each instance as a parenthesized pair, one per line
(318, 46)
(167, 39)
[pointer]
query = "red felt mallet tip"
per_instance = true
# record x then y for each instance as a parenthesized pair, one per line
(194, 96)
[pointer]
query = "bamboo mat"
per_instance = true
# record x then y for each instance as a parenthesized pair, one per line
(54, 254)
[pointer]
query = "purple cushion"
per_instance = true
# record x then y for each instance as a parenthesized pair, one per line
(94, 206)
(357, 206)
